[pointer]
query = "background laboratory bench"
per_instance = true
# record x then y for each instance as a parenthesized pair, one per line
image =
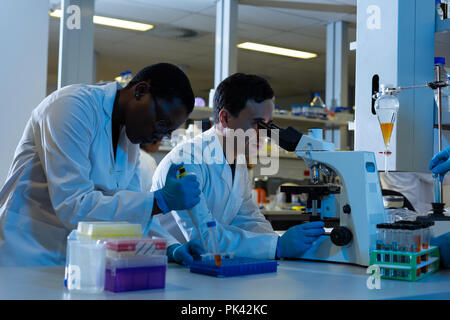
(294, 280)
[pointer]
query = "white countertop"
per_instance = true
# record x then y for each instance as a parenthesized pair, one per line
(294, 280)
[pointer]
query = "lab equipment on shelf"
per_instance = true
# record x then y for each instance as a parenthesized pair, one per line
(403, 251)
(124, 78)
(276, 110)
(318, 107)
(297, 110)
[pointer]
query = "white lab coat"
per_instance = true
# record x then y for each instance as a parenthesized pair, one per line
(241, 228)
(147, 167)
(417, 187)
(64, 172)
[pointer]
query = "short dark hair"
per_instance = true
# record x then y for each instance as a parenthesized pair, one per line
(233, 93)
(166, 81)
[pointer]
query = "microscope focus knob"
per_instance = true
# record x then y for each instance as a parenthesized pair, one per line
(347, 209)
(341, 236)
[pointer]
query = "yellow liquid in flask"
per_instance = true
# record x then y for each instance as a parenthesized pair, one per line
(386, 129)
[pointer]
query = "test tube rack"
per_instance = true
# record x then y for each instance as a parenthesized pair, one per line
(409, 266)
(233, 267)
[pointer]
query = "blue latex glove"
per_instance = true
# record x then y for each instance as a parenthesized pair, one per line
(440, 164)
(178, 194)
(185, 253)
(298, 239)
(443, 242)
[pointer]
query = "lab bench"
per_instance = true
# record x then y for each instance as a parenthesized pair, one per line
(294, 280)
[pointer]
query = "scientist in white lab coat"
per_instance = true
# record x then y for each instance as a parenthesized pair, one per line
(240, 101)
(78, 160)
(147, 164)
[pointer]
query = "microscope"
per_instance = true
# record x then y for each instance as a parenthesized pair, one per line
(354, 206)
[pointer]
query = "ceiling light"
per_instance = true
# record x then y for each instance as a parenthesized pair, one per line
(276, 50)
(112, 22)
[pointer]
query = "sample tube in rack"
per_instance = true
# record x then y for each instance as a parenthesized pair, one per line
(213, 241)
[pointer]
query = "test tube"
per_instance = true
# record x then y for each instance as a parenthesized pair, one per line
(395, 247)
(426, 235)
(213, 241)
(380, 241)
(388, 247)
(402, 248)
(436, 188)
(413, 241)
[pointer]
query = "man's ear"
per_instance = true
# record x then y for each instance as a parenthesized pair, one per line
(140, 89)
(223, 118)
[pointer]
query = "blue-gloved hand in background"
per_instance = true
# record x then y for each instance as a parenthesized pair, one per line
(298, 239)
(185, 253)
(178, 194)
(440, 164)
(443, 242)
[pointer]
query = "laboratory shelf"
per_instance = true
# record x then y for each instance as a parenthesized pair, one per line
(308, 122)
(200, 113)
(206, 112)
(281, 155)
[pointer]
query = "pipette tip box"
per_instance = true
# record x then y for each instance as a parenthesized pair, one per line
(135, 247)
(233, 267)
(137, 273)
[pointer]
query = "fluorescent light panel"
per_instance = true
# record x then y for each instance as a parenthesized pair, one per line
(112, 22)
(276, 50)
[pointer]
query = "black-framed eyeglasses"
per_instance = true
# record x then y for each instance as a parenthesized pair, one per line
(162, 125)
(267, 125)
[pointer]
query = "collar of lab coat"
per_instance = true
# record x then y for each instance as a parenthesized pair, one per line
(225, 169)
(108, 99)
(110, 90)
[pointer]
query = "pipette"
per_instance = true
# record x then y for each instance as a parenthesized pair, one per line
(181, 173)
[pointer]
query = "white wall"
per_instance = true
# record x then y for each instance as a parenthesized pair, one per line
(23, 65)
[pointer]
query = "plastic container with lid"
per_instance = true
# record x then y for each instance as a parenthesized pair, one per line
(296, 110)
(85, 264)
(108, 229)
(135, 247)
(138, 273)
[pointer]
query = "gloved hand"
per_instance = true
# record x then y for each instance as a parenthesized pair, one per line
(440, 164)
(185, 253)
(443, 242)
(178, 194)
(298, 239)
